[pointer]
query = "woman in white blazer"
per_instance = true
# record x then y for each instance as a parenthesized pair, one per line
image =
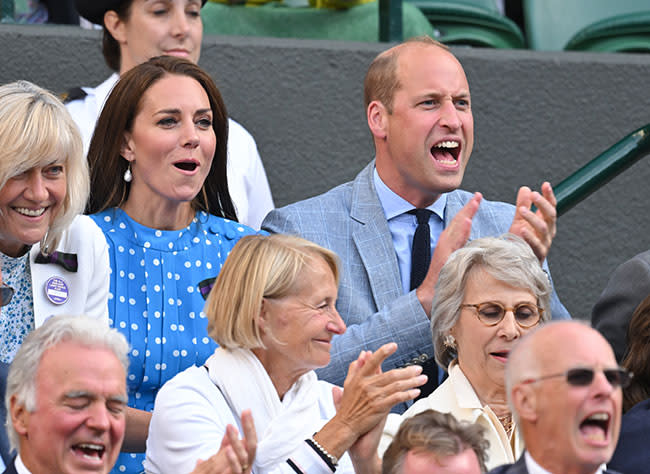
(55, 260)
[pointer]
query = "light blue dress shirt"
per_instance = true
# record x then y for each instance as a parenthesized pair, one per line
(402, 225)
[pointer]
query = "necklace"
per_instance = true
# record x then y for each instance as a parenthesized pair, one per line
(507, 423)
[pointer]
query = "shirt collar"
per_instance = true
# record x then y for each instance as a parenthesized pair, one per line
(534, 468)
(394, 205)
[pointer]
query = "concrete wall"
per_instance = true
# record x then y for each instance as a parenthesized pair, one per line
(538, 116)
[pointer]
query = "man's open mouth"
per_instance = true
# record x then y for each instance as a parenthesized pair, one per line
(89, 450)
(446, 152)
(596, 426)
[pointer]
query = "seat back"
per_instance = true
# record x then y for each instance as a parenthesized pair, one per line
(621, 34)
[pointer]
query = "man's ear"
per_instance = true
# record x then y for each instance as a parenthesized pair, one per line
(115, 26)
(524, 399)
(19, 416)
(376, 114)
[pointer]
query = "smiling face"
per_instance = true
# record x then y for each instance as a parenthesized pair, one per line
(29, 203)
(156, 28)
(575, 428)
(483, 350)
(78, 424)
(297, 330)
(171, 146)
(424, 145)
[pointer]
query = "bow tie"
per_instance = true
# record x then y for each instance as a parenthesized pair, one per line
(205, 286)
(66, 260)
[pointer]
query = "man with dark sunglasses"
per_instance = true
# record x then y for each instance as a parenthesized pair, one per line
(565, 390)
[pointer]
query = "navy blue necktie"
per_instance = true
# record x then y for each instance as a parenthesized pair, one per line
(421, 248)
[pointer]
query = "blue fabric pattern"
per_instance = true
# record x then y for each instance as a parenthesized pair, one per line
(17, 318)
(155, 302)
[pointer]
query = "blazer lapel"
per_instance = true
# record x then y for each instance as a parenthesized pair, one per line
(373, 241)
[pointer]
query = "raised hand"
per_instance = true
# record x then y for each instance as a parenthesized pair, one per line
(537, 228)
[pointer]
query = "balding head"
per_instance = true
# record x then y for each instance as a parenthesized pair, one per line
(568, 424)
(382, 78)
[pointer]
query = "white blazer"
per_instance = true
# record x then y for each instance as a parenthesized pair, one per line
(88, 286)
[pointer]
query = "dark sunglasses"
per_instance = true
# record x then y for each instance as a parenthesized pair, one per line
(6, 293)
(492, 313)
(582, 377)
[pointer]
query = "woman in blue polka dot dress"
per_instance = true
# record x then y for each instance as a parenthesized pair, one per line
(158, 180)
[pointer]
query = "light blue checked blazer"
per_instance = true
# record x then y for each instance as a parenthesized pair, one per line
(350, 221)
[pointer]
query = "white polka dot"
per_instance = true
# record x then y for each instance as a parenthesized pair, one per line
(122, 324)
(107, 219)
(131, 251)
(147, 244)
(122, 299)
(164, 340)
(122, 225)
(193, 340)
(135, 353)
(192, 315)
(131, 376)
(122, 468)
(138, 395)
(175, 252)
(148, 354)
(157, 314)
(156, 262)
(208, 266)
(181, 328)
(205, 340)
(197, 263)
(169, 275)
(120, 249)
(176, 353)
(202, 315)
(148, 327)
(190, 289)
(171, 301)
(143, 288)
(177, 277)
(163, 366)
(158, 233)
(179, 302)
(188, 264)
(184, 353)
(157, 366)
(173, 327)
(134, 326)
(208, 242)
(142, 262)
(196, 240)
(131, 276)
(240, 229)
(145, 313)
(158, 340)
(156, 288)
(110, 296)
(122, 273)
(132, 301)
(148, 300)
(170, 245)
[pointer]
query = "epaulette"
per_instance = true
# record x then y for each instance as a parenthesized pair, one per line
(76, 93)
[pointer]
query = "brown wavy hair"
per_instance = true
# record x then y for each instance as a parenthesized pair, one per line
(107, 166)
(637, 358)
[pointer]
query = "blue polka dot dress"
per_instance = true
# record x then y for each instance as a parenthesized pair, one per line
(155, 302)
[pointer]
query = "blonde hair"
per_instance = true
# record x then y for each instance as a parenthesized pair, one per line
(37, 130)
(259, 266)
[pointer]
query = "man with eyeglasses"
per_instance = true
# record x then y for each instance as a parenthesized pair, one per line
(565, 389)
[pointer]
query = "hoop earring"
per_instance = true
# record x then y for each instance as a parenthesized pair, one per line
(127, 174)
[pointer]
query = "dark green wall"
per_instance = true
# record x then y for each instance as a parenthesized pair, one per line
(538, 116)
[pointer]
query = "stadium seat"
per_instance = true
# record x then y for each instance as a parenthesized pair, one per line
(471, 22)
(360, 23)
(620, 34)
(550, 24)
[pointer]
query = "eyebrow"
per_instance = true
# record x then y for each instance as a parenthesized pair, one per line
(178, 111)
(93, 396)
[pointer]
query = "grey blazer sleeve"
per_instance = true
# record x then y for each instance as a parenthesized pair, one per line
(627, 287)
(400, 319)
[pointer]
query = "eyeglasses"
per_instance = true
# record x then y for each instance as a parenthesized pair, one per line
(6, 293)
(582, 377)
(492, 313)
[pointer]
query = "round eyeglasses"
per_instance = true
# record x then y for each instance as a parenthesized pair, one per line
(492, 313)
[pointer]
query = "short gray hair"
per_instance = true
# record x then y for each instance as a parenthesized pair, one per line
(83, 330)
(507, 258)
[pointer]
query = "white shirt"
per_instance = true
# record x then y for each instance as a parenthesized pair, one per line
(534, 468)
(247, 183)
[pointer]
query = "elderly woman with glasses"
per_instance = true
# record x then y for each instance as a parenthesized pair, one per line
(489, 294)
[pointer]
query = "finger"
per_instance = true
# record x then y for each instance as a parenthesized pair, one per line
(547, 191)
(469, 210)
(539, 248)
(250, 435)
(337, 396)
(374, 361)
(524, 197)
(545, 209)
(233, 461)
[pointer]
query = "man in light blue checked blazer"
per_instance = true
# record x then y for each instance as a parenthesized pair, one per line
(419, 113)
